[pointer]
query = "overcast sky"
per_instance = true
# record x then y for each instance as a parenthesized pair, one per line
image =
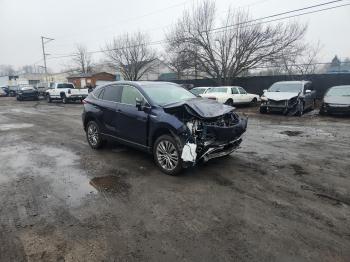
(92, 23)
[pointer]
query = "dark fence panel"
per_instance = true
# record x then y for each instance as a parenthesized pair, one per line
(256, 84)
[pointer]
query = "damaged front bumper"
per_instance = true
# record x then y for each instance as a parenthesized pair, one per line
(283, 106)
(225, 140)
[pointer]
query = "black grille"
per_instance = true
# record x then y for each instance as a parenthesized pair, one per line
(277, 103)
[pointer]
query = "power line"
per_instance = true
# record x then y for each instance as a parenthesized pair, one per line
(248, 23)
(280, 14)
(284, 18)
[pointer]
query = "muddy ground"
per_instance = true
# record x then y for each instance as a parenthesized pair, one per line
(283, 196)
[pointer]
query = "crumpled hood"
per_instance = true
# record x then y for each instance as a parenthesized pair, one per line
(279, 96)
(204, 108)
(342, 100)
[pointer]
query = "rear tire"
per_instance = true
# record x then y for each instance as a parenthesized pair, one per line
(167, 155)
(254, 102)
(93, 135)
(229, 102)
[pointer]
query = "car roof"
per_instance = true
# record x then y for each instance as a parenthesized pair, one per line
(141, 83)
(293, 82)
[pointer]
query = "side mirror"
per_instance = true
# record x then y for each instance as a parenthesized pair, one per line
(308, 91)
(139, 104)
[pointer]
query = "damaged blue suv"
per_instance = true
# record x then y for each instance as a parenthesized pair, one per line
(164, 119)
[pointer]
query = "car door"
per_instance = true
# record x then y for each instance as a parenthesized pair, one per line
(244, 95)
(108, 104)
(132, 122)
(235, 95)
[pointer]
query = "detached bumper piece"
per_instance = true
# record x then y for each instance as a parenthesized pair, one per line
(221, 151)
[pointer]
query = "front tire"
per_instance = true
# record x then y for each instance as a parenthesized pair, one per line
(93, 135)
(263, 110)
(64, 99)
(300, 109)
(167, 155)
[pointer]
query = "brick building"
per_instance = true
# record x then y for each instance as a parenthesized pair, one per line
(91, 79)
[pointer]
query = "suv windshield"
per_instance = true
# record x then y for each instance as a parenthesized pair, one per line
(167, 93)
(286, 87)
(65, 86)
(339, 91)
(218, 90)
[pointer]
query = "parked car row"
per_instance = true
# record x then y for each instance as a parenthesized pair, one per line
(287, 97)
(64, 92)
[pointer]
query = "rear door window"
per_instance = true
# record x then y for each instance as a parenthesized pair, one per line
(97, 92)
(242, 91)
(234, 91)
(111, 93)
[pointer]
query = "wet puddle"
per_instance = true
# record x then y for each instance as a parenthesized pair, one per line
(57, 168)
(110, 184)
(291, 133)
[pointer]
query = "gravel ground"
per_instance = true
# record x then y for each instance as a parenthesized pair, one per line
(283, 196)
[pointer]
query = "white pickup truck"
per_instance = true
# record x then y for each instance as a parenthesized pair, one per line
(65, 92)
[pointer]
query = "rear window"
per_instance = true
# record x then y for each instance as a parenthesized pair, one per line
(111, 93)
(65, 86)
(97, 92)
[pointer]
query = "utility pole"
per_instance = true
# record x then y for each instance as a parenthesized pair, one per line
(45, 40)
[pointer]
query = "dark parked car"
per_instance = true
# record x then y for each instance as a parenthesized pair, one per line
(3, 91)
(288, 97)
(12, 90)
(164, 119)
(336, 100)
(27, 93)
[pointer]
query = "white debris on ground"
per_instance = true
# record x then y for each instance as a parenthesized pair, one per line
(189, 152)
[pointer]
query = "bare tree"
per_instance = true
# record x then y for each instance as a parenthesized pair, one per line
(31, 69)
(236, 46)
(82, 59)
(302, 61)
(7, 70)
(132, 55)
(177, 60)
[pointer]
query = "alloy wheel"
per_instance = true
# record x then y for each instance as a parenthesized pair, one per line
(93, 135)
(167, 155)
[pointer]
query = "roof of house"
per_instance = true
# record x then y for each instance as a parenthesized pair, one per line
(82, 75)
